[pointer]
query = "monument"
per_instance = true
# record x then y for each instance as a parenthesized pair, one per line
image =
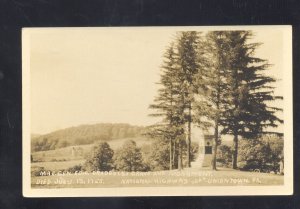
(205, 149)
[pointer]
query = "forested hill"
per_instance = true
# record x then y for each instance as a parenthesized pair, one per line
(84, 134)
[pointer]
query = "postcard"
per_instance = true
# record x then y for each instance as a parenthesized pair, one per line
(157, 111)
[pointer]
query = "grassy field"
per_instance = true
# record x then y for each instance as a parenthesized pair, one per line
(65, 154)
(62, 159)
(187, 177)
(62, 154)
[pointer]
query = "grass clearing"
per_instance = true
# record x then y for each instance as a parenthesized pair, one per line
(66, 154)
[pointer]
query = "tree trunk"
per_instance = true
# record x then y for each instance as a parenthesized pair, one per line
(189, 138)
(174, 153)
(216, 137)
(235, 151)
(171, 157)
(179, 156)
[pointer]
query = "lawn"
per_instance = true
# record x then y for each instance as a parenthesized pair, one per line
(65, 154)
(187, 177)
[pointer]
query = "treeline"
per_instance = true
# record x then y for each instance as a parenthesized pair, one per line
(255, 155)
(84, 134)
(215, 81)
(262, 155)
(129, 157)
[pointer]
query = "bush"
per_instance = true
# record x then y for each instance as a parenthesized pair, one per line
(158, 156)
(129, 158)
(100, 158)
(75, 168)
(262, 154)
(224, 156)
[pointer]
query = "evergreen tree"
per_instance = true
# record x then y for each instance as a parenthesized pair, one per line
(250, 89)
(188, 60)
(212, 87)
(216, 82)
(168, 106)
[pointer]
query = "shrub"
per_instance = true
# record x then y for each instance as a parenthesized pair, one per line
(75, 168)
(158, 156)
(100, 158)
(224, 156)
(129, 158)
(261, 154)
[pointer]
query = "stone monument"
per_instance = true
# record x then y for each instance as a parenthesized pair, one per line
(205, 149)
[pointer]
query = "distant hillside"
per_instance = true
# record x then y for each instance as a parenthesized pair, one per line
(78, 152)
(84, 134)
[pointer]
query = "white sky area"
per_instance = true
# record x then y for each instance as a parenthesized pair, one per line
(108, 75)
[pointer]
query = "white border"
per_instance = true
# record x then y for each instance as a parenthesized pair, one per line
(286, 189)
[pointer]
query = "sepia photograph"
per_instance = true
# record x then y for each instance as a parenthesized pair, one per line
(157, 111)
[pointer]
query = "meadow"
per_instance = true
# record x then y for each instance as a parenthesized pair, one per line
(64, 158)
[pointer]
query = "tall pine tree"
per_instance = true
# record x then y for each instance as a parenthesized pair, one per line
(168, 105)
(188, 60)
(250, 90)
(212, 87)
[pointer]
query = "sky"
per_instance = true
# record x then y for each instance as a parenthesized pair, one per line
(109, 75)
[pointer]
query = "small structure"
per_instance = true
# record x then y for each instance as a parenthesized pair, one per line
(208, 153)
(205, 151)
